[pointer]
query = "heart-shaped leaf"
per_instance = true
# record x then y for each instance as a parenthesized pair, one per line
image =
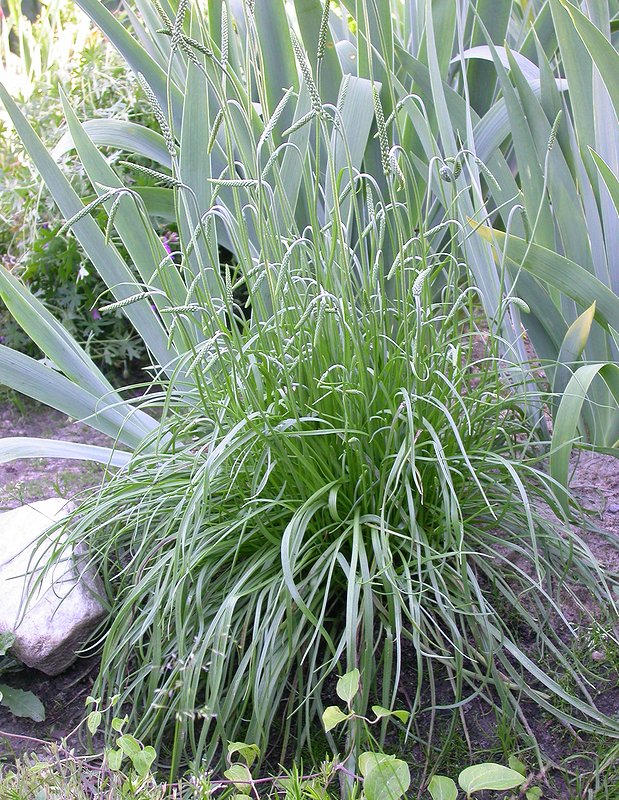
(369, 761)
(489, 776)
(389, 779)
(517, 765)
(382, 712)
(114, 759)
(22, 704)
(332, 716)
(129, 745)
(6, 642)
(442, 788)
(248, 752)
(93, 720)
(348, 685)
(240, 775)
(143, 760)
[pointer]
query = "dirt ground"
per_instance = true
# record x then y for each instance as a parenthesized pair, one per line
(595, 483)
(25, 481)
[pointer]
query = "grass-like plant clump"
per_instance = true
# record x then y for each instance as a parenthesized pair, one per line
(336, 463)
(348, 483)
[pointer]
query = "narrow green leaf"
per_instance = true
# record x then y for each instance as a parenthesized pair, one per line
(195, 171)
(126, 136)
(143, 245)
(309, 16)
(481, 78)
(348, 144)
(577, 68)
(159, 202)
(137, 58)
(567, 417)
(527, 156)
(280, 68)
(565, 219)
(42, 383)
(477, 253)
(52, 337)
(108, 262)
(529, 69)
(608, 176)
(596, 721)
(577, 335)
(14, 447)
(570, 278)
(294, 157)
(601, 50)
(157, 47)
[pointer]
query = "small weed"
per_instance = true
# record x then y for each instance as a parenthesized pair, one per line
(125, 769)
(64, 483)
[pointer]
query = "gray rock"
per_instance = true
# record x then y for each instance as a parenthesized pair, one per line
(52, 614)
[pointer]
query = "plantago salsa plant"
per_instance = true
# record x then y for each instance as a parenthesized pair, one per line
(339, 474)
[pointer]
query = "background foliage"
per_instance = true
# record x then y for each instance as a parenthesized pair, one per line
(59, 50)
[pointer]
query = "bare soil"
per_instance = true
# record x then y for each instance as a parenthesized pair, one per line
(26, 480)
(595, 482)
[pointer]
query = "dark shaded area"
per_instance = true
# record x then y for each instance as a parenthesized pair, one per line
(64, 698)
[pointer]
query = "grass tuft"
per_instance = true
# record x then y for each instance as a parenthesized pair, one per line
(351, 483)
